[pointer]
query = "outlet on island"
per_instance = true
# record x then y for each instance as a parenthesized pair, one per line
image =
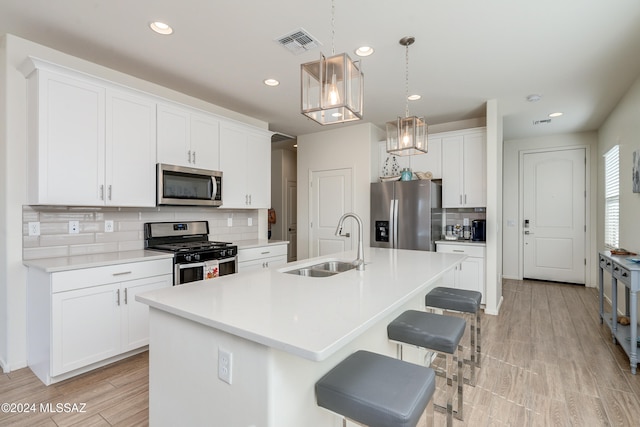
(225, 364)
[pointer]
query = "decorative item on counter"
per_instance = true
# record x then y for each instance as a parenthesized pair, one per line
(621, 251)
(466, 232)
(457, 231)
(406, 175)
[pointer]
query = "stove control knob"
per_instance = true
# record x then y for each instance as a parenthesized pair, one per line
(223, 253)
(197, 257)
(187, 258)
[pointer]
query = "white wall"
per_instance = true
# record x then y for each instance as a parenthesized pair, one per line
(512, 234)
(622, 128)
(342, 147)
(493, 270)
(4, 246)
(13, 125)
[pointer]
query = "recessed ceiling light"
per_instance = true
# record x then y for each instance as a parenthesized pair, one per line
(557, 114)
(414, 97)
(534, 97)
(271, 82)
(364, 51)
(161, 28)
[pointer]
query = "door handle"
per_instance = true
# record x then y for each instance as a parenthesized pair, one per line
(527, 232)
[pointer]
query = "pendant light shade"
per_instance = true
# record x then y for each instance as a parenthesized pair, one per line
(407, 135)
(332, 89)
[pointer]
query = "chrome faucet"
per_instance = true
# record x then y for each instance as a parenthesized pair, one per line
(359, 262)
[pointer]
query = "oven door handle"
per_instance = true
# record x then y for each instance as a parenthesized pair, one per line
(232, 259)
(191, 265)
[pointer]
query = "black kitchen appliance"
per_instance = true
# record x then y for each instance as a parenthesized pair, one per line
(478, 230)
(195, 257)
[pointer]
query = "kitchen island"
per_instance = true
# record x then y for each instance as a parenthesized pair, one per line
(283, 332)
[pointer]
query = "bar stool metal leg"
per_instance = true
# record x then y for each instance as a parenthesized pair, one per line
(440, 334)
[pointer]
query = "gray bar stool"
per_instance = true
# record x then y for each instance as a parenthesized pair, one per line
(438, 333)
(378, 391)
(466, 302)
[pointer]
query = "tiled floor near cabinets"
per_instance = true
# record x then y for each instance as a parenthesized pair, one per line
(547, 362)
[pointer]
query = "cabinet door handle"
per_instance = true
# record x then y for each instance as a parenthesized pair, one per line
(118, 296)
(249, 199)
(461, 199)
(109, 192)
(194, 157)
(265, 253)
(102, 192)
(125, 296)
(189, 156)
(267, 264)
(458, 250)
(465, 199)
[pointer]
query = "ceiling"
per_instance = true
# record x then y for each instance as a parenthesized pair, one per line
(580, 55)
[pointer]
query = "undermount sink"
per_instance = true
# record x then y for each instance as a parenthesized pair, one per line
(324, 269)
(335, 266)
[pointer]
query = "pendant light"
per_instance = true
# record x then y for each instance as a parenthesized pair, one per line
(332, 88)
(407, 135)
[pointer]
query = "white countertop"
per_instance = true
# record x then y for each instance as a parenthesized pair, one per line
(52, 265)
(461, 242)
(307, 316)
(257, 243)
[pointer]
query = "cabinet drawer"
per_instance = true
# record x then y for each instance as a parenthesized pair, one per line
(622, 274)
(606, 264)
(469, 250)
(88, 277)
(261, 252)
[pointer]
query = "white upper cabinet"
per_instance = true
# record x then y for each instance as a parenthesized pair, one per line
(431, 161)
(130, 146)
(245, 161)
(84, 139)
(187, 138)
(464, 175)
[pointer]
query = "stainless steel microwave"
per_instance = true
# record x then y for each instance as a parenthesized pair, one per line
(180, 185)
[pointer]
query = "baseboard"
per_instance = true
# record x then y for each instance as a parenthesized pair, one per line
(497, 310)
(511, 277)
(6, 367)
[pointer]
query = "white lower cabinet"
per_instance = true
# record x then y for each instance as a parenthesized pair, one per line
(79, 318)
(470, 273)
(261, 257)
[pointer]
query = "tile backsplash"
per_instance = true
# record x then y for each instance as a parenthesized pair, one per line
(55, 241)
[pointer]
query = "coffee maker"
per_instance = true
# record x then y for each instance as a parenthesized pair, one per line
(478, 230)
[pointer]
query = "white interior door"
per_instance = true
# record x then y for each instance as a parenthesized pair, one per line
(554, 215)
(291, 221)
(330, 197)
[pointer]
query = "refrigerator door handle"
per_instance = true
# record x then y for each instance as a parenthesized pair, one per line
(395, 223)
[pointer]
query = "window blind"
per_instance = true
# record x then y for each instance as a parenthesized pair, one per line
(612, 197)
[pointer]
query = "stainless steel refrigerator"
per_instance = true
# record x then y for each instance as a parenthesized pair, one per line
(406, 214)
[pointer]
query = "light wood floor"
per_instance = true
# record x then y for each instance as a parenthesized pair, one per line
(547, 362)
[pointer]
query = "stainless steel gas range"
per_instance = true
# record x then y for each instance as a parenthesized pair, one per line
(195, 256)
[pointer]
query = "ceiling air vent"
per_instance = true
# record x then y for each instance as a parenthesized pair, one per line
(542, 122)
(298, 41)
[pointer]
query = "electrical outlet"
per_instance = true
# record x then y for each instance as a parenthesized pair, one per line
(34, 229)
(108, 226)
(249, 222)
(225, 364)
(74, 227)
